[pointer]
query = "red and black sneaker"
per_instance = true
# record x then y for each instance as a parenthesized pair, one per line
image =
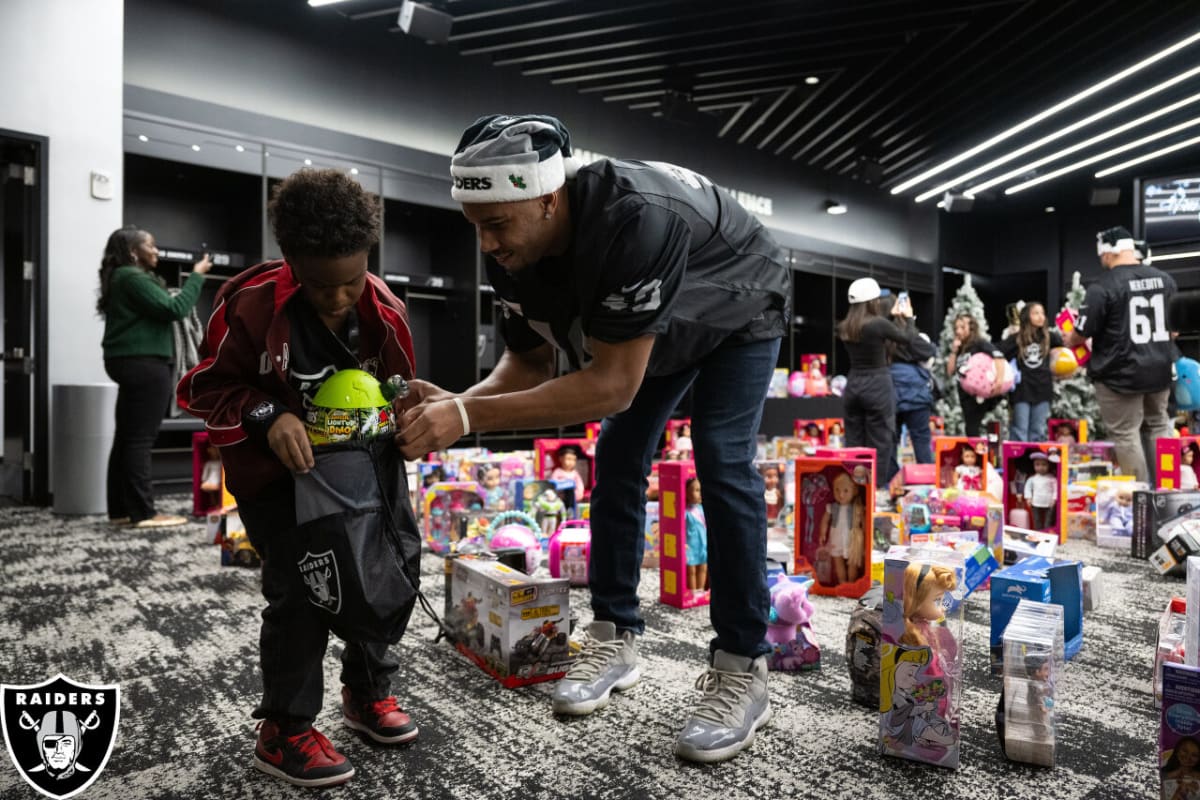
(304, 759)
(382, 720)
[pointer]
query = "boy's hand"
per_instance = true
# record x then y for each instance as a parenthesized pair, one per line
(423, 392)
(434, 425)
(289, 443)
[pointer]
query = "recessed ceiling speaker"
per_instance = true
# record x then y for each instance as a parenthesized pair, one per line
(1105, 196)
(425, 22)
(957, 203)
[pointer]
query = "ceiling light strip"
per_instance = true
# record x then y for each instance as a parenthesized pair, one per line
(1175, 256)
(1066, 151)
(1061, 132)
(1101, 156)
(1148, 156)
(1052, 110)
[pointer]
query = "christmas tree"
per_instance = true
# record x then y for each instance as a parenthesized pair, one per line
(966, 301)
(1073, 396)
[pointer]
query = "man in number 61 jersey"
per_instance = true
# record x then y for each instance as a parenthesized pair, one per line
(1125, 315)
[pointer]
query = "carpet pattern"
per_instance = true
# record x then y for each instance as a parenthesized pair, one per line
(154, 612)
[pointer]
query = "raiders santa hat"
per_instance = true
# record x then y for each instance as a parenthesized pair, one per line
(1116, 239)
(504, 158)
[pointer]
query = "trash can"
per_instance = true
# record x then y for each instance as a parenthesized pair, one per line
(83, 420)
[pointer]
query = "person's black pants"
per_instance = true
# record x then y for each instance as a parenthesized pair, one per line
(145, 386)
(293, 636)
(870, 412)
(974, 411)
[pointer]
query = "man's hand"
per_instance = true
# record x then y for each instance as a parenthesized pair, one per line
(433, 425)
(289, 442)
(421, 392)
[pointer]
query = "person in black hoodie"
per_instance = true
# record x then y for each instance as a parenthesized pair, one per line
(911, 380)
(1031, 397)
(870, 399)
(967, 342)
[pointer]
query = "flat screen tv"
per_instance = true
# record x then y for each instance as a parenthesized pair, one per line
(1171, 210)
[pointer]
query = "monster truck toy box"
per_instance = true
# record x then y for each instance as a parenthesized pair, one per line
(514, 626)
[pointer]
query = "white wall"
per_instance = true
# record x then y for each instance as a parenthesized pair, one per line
(61, 76)
(286, 60)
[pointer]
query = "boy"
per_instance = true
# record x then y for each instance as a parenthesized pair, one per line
(277, 331)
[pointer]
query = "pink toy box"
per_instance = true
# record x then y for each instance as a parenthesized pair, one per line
(1170, 464)
(673, 477)
(547, 466)
(569, 547)
(948, 457)
(1029, 496)
(678, 429)
(835, 548)
(443, 501)
(1066, 323)
(809, 431)
(1077, 427)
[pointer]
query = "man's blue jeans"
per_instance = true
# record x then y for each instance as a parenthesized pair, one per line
(730, 385)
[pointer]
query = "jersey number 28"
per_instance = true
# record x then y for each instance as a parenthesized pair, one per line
(1145, 327)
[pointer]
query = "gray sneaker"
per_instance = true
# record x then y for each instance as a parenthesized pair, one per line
(606, 662)
(734, 706)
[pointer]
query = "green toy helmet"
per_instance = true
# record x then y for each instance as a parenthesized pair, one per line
(349, 405)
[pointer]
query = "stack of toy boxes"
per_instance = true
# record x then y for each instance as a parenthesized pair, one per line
(673, 563)
(948, 457)
(1087, 460)
(1177, 462)
(1160, 518)
(920, 673)
(1032, 494)
(834, 520)
(1033, 665)
(1071, 431)
(515, 626)
(1044, 581)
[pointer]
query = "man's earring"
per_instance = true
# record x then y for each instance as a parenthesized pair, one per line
(548, 215)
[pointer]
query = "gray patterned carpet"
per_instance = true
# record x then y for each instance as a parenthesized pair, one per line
(155, 612)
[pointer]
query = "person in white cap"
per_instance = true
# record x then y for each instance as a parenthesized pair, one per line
(649, 280)
(1124, 313)
(869, 398)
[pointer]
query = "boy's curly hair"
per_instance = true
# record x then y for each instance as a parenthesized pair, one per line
(323, 213)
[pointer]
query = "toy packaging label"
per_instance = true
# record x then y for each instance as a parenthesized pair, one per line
(1179, 732)
(920, 675)
(834, 523)
(511, 624)
(1160, 515)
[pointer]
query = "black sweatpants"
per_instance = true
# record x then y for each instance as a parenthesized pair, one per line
(293, 637)
(974, 411)
(144, 388)
(870, 412)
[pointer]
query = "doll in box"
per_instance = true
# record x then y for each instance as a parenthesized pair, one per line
(1041, 492)
(697, 539)
(1065, 434)
(1040, 693)
(1181, 773)
(771, 491)
(842, 528)
(968, 475)
(837, 435)
(812, 436)
(1187, 469)
(210, 475)
(1118, 514)
(549, 511)
(683, 441)
(566, 458)
(493, 492)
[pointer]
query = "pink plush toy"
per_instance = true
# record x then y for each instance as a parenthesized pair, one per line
(796, 384)
(978, 377)
(789, 608)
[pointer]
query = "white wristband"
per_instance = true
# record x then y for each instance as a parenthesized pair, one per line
(462, 412)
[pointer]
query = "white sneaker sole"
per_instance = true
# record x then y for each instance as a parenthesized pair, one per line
(275, 772)
(588, 706)
(401, 739)
(690, 753)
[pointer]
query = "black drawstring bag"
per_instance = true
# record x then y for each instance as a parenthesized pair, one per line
(356, 544)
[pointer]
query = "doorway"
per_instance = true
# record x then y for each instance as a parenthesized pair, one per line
(24, 427)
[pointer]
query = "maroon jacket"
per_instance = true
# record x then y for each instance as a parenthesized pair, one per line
(244, 361)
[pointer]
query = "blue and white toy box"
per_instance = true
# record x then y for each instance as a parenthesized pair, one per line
(1044, 581)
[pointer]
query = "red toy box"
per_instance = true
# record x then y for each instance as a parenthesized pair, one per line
(835, 548)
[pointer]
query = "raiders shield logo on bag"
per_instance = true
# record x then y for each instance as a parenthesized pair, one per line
(320, 575)
(60, 733)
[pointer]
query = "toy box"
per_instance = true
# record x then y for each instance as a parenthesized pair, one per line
(834, 430)
(779, 383)
(834, 521)
(651, 535)
(1088, 460)
(236, 550)
(937, 426)
(773, 490)
(888, 528)
(1174, 553)
(862, 646)
(1179, 732)
(1066, 323)
(442, 502)
(1093, 587)
(567, 460)
(1035, 486)
(1114, 511)
(978, 564)
(1160, 515)
(1021, 543)
(678, 439)
(209, 493)
(1033, 664)
(568, 551)
(513, 625)
(920, 675)
(1176, 460)
(1170, 646)
(1067, 431)
(794, 646)
(919, 474)
(591, 431)
(683, 557)
(1045, 581)
(811, 432)
(949, 454)
(1191, 633)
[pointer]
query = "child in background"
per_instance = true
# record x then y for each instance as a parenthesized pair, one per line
(1031, 397)
(325, 309)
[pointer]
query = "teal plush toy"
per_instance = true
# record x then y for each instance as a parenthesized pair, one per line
(1187, 384)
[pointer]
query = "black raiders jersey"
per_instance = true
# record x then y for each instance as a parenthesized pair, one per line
(656, 249)
(1125, 314)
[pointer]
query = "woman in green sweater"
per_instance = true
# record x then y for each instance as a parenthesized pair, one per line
(138, 312)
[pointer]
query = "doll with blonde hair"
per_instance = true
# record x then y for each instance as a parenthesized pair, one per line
(925, 585)
(842, 528)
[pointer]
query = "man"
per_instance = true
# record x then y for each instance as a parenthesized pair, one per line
(649, 280)
(1124, 314)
